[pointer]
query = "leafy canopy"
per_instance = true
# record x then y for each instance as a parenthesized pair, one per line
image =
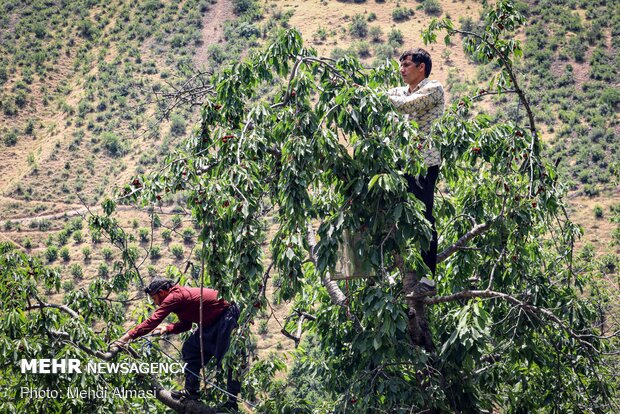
(324, 152)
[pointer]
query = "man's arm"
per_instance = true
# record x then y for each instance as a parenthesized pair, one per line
(417, 101)
(178, 327)
(393, 91)
(151, 323)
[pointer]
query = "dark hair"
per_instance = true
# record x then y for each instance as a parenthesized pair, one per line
(418, 56)
(157, 284)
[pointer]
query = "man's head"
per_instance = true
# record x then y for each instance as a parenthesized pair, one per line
(158, 289)
(415, 65)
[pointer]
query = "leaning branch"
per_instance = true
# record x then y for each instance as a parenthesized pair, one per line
(535, 310)
(508, 66)
(302, 317)
(106, 356)
(460, 243)
(162, 394)
(64, 308)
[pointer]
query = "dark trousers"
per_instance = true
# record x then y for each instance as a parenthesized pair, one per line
(424, 190)
(216, 340)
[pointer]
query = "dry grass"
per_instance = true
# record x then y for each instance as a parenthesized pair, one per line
(598, 231)
(335, 16)
(213, 30)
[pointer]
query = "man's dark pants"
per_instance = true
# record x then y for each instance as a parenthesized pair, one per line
(216, 340)
(424, 190)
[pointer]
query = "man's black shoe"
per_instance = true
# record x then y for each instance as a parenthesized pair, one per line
(425, 287)
(185, 395)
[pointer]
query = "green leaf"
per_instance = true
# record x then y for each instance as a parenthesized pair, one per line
(290, 254)
(376, 343)
(374, 180)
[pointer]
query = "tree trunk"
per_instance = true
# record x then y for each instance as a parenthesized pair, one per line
(419, 330)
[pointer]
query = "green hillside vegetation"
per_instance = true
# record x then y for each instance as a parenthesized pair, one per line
(102, 99)
(95, 67)
(572, 58)
(84, 124)
(78, 84)
(570, 64)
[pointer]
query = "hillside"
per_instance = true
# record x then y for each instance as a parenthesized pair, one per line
(87, 105)
(76, 86)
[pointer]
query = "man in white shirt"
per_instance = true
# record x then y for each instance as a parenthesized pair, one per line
(422, 101)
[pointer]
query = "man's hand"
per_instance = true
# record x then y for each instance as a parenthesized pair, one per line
(122, 341)
(160, 330)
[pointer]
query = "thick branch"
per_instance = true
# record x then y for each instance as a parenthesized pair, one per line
(460, 243)
(185, 406)
(490, 294)
(335, 293)
(163, 395)
(333, 290)
(418, 327)
(63, 308)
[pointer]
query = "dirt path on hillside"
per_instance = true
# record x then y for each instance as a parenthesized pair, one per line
(72, 212)
(213, 30)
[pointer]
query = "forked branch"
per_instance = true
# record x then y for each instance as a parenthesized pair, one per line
(463, 240)
(527, 307)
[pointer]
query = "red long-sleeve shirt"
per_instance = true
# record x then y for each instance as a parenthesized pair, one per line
(185, 302)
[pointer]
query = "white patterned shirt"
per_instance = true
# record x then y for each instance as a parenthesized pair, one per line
(424, 105)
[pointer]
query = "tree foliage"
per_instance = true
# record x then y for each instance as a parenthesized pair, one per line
(324, 155)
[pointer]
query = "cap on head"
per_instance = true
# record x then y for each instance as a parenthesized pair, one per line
(157, 284)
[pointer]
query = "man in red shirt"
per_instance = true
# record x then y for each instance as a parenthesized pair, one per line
(219, 318)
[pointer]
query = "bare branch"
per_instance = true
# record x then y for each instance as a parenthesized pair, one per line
(461, 242)
(499, 259)
(63, 308)
(485, 93)
(302, 316)
(529, 308)
(106, 356)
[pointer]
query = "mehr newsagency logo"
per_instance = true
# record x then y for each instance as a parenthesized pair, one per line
(75, 366)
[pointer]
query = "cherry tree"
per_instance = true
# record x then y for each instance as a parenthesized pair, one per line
(293, 154)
